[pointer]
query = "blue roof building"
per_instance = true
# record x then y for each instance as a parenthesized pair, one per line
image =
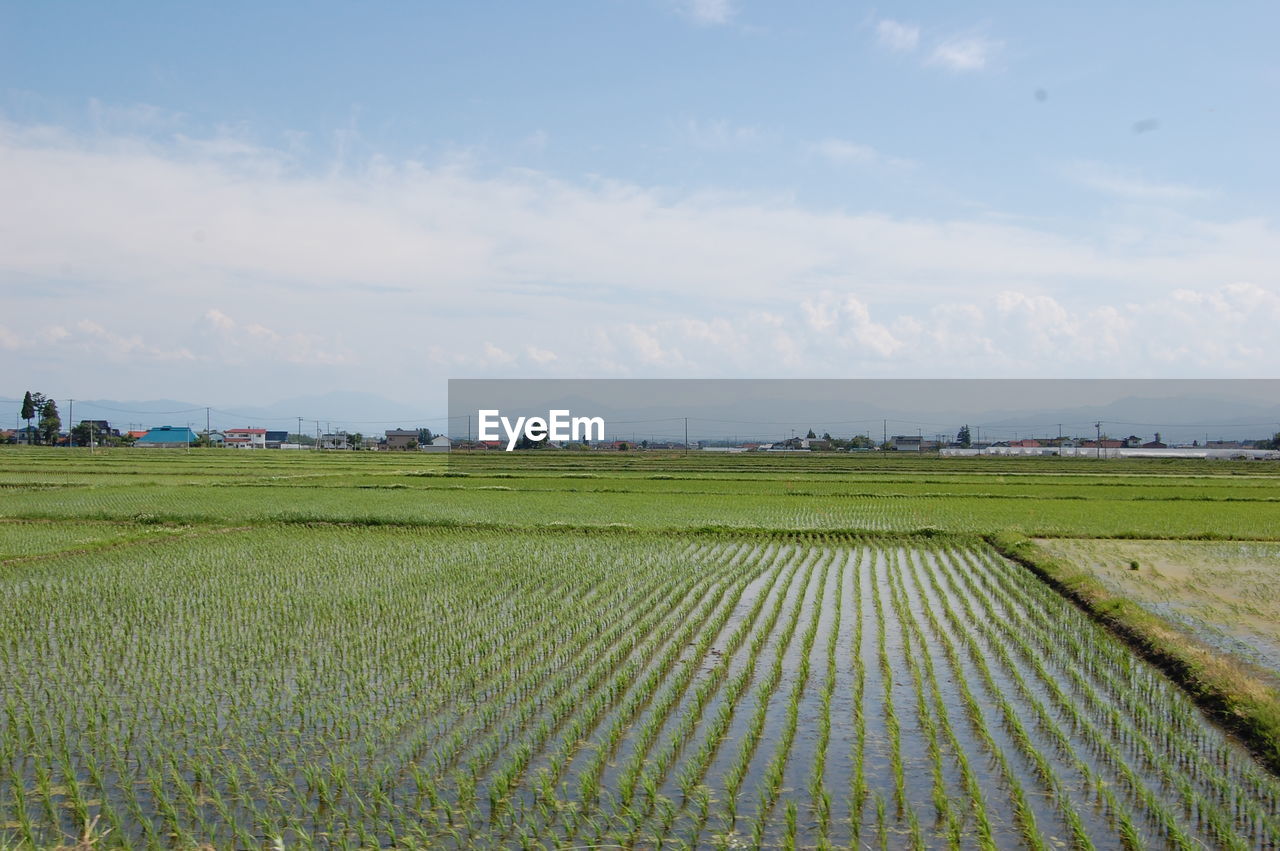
(167, 437)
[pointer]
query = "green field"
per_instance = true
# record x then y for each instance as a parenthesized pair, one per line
(556, 650)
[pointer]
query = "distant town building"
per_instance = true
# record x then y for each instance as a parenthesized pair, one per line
(338, 440)
(245, 438)
(167, 437)
(439, 443)
(402, 439)
(101, 428)
(906, 442)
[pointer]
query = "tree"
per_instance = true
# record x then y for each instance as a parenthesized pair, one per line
(356, 440)
(83, 433)
(1273, 443)
(810, 435)
(525, 442)
(32, 407)
(50, 422)
(425, 436)
(963, 438)
(28, 412)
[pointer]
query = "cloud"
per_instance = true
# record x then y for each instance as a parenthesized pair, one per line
(897, 36)
(844, 152)
(247, 343)
(710, 12)
(1011, 333)
(964, 53)
(390, 275)
(70, 343)
(1129, 186)
(958, 52)
(539, 356)
(720, 135)
(841, 151)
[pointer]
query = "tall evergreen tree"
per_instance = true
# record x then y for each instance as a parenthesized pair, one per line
(28, 412)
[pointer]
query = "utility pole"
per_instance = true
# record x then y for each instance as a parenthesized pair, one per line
(71, 421)
(686, 435)
(206, 421)
(299, 430)
(884, 426)
(1098, 428)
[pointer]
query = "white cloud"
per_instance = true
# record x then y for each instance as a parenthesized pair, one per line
(841, 151)
(964, 53)
(1127, 185)
(1011, 333)
(897, 36)
(539, 356)
(392, 275)
(708, 11)
(845, 152)
(250, 343)
(720, 135)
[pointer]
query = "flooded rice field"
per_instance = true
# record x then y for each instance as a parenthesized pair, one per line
(391, 688)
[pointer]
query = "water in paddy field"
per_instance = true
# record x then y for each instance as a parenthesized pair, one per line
(705, 691)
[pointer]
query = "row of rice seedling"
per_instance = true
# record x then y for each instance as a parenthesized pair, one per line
(200, 504)
(1166, 740)
(352, 687)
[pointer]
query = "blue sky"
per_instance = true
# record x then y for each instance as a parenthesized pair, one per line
(240, 202)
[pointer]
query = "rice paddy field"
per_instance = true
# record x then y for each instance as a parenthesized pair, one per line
(359, 650)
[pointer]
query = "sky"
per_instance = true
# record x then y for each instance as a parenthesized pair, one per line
(243, 202)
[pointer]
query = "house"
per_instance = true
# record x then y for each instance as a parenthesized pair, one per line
(339, 440)
(439, 443)
(135, 434)
(101, 428)
(1027, 442)
(245, 438)
(402, 438)
(275, 439)
(1155, 444)
(906, 442)
(167, 437)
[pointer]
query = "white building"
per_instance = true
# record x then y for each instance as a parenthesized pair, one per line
(245, 438)
(439, 443)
